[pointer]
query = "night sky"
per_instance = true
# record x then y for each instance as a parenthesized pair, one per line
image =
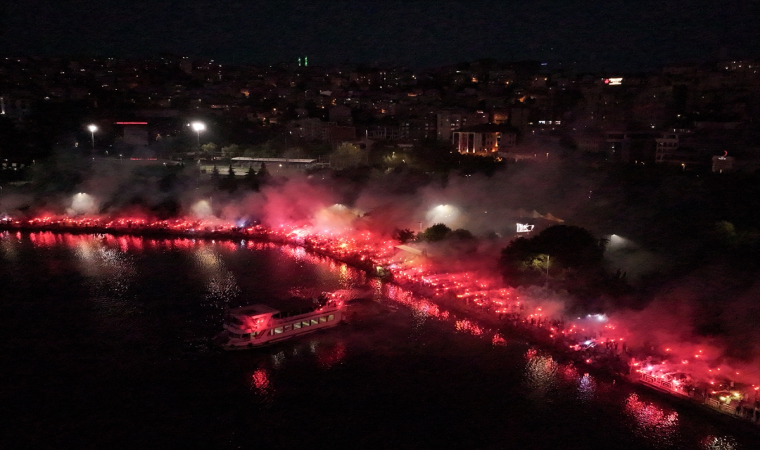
(608, 35)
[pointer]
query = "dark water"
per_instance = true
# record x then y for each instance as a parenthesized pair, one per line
(105, 345)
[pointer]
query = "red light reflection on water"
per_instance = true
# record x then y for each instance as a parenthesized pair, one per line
(131, 243)
(479, 291)
(650, 418)
(257, 245)
(418, 305)
(569, 372)
(179, 244)
(227, 245)
(43, 239)
(330, 355)
(260, 380)
(300, 254)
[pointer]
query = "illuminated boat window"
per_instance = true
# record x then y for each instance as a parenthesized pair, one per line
(288, 327)
(297, 325)
(306, 323)
(331, 317)
(277, 330)
(323, 319)
(314, 321)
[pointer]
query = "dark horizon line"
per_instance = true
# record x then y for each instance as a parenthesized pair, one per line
(554, 64)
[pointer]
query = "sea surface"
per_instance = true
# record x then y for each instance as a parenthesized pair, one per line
(105, 343)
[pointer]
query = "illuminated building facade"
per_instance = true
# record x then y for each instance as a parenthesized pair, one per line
(449, 121)
(484, 139)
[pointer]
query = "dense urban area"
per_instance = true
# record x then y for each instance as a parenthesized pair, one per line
(629, 201)
(695, 117)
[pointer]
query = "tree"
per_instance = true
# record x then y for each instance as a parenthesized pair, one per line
(263, 175)
(403, 236)
(462, 234)
(560, 248)
(208, 148)
(728, 236)
(540, 263)
(229, 183)
(251, 179)
(571, 246)
(726, 232)
(437, 232)
(317, 149)
(399, 158)
(516, 260)
(346, 156)
(272, 148)
(231, 151)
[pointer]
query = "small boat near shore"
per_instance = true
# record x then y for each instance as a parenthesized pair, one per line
(258, 325)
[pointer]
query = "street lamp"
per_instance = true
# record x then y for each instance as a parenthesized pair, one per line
(198, 127)
(93, 129)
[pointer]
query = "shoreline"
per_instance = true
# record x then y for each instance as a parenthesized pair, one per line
(515, 329)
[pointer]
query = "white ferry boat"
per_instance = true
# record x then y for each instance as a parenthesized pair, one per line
(258, 325)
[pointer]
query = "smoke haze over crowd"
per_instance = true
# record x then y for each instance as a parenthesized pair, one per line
(705, 307)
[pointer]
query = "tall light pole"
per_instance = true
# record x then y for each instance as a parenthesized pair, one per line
(198, 127)
(93, 129)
